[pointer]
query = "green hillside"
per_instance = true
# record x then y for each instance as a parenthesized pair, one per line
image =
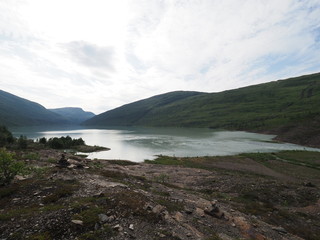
(289, 108)
(133, 113)
(16, 111)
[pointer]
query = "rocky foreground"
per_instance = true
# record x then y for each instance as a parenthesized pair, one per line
(252, 196)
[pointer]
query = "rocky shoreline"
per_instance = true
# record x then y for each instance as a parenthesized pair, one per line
(236, 197)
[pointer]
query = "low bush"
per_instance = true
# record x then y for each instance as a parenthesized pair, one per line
(9, 167)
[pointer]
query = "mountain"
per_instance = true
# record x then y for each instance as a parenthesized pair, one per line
(133, 113)
(16, 111)
(73, 114)
(288, 108)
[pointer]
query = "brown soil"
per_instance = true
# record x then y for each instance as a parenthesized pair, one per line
(233, 198)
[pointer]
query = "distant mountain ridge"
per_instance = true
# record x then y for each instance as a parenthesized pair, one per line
(288, 108)
(73, 114)
(16, 111)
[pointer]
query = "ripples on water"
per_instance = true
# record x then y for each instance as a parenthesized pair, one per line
(138, 143)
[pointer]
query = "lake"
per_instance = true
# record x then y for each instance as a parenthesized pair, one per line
(140, 143)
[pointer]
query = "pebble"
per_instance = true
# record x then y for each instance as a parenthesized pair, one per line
(78, 222)
(131, 227)
(118, 227)
(103, 218)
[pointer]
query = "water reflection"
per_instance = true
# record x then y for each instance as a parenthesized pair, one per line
(139, 143)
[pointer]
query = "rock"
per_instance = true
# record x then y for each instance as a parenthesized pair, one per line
(63, 162)
(118, 228)
(71, 166)
(20, 178)
(147, 207)
(77, 222)
(103, 218)
(280, 230)
(199, 212)
(309, 184)
(96, 226)
(131, 227)
(97, 195)
(111, 219)
(188, 211)
(158, 209)
(178, 217)
(214, 211)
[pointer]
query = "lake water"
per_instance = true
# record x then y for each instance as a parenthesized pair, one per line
(140, 143)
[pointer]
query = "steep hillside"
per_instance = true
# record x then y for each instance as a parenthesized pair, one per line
(16, 111)
(133, 113)
(289, 108)
(73, 114)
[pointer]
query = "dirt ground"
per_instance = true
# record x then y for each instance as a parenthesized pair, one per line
(196, 198)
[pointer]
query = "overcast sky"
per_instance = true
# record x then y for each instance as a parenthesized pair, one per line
(100, 54)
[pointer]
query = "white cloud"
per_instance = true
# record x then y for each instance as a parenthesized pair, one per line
(101, 54)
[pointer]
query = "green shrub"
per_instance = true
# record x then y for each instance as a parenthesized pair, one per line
(63, 142)
(22, 142)
(5, 136)
(9, 167)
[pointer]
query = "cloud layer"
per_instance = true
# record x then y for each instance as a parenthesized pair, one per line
(101, 54)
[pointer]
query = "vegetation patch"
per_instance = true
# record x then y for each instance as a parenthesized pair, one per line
(89, 216)
(9, 167)
(63, 189)
(171, 205)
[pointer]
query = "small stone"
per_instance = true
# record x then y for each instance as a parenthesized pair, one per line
(199, 212)
(77, 222)
(118, 228)
(189, 234)
(111, 219)
(20, 178)
(188, 211)
(280, 230)
(97, 226)
(97, 195)
(158, 209)
(214, 211)
(178, 217)
(131, 227)
(103, 218)
(233, 225)
(71, 166)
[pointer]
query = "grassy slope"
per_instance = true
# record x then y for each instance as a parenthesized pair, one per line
(15, 111)
(286, 107)
(132, 113)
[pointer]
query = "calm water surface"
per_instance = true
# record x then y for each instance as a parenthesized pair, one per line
(139, 143)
